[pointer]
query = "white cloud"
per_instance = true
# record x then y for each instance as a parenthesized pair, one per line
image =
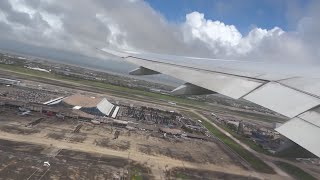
(115, 32)
(255, 37)
(21, 7)
(224, 39)
(81, 25)
(210, 31)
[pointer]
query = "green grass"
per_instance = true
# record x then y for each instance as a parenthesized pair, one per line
(254, 161)
(136, 177)
(260, 117)
(181, 176)
(246, 141)
(253, 145)
(294, 171)
(136, 174)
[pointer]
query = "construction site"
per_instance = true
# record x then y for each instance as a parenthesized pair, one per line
(54, 134)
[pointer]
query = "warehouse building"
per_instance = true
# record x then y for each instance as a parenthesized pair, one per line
(9, 81)
(91, 105)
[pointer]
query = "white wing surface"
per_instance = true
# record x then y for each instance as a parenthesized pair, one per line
(293, 91)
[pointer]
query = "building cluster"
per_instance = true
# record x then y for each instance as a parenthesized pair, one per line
(6, 59)
(192, 126)
(23, 93)
(266, 138)
(99, 110)
(12, 82)
(150, 115)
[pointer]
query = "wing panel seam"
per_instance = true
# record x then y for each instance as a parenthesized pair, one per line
(307, 121)
(254, 90)
(315, 96)
(198, 69)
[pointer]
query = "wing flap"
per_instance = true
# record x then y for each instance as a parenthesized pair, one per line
(312, 116)
(143, 71)
(228, 85)
(303, 133)
(282, 99)
(308, 85)
(190, 89)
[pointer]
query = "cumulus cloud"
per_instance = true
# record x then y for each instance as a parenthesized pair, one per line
(224, 40)
(81, 25)
(211, 32)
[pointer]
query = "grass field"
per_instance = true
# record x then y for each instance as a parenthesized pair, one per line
(294, 171)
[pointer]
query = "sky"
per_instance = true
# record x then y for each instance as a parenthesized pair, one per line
(268, 30)
(243, 14)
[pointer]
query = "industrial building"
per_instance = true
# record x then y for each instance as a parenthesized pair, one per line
(170, 131)
(92, 105)
(54, 101)
(9, 81)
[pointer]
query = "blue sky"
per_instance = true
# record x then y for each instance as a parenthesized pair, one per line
(244, 14)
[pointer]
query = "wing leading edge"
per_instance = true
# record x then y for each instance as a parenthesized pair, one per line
(292, 95)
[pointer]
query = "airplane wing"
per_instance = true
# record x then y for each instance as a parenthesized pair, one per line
(293, 91)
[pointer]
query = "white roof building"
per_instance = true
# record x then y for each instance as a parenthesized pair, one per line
(95, 106)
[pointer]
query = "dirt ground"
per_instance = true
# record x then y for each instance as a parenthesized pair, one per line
(116, 145)
(25, 161)
(187, 173)
(51, 128)
(93, 153)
